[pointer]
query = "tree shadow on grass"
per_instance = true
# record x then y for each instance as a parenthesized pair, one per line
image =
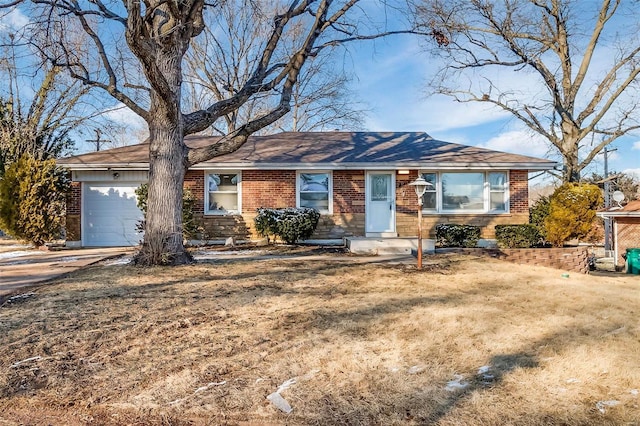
(431, 406)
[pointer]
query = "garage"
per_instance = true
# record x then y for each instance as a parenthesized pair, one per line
(110, 214)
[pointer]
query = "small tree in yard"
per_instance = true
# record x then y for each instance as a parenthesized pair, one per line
(33, 199)
(572, 211)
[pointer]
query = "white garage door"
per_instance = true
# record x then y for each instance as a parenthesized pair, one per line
(110, 214)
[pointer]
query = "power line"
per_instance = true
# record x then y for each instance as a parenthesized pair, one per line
(98, 140)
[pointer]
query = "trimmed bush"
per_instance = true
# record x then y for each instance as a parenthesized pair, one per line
(33, 197)
(518, 236)
(190, 227)
(448, 235)
(572, 212)
(290, 224)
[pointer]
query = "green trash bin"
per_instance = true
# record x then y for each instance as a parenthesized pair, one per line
(633, 261)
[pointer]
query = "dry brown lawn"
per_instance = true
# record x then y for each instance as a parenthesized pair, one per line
(465, 341)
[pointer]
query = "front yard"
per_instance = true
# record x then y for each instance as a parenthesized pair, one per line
(465, 341)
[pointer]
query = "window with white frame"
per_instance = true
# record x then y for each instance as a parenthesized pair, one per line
(430, 197)
(498, 191)
(222, 194)
(314, 191)
(466, 192)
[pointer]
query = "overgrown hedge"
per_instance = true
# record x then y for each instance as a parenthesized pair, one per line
(518, 236)
(289, 225)
(449, 235)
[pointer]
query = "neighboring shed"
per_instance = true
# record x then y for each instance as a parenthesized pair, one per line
(626, 229)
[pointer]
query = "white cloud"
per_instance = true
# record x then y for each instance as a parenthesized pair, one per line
(404, 111)
(632, 172)
(518, 142)
(636, 145)
(13, 20)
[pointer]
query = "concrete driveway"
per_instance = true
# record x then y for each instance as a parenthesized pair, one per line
(23, 266)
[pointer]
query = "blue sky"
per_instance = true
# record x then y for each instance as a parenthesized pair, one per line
(391, 77)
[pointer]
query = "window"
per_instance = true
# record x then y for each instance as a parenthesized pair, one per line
(314, 191)
(429, 199)
(466, 192)
(222, 195)
(463, 191)
(498, 191)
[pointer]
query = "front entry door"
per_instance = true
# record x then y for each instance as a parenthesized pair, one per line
(381, 206)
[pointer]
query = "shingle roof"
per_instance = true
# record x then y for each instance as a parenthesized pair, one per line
(632, 206)
(326, 150)
(632, 209)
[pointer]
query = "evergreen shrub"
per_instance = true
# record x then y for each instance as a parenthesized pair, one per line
(518, 236)
(290, 224)
(450, 235)
(33, 196)
(572, 212)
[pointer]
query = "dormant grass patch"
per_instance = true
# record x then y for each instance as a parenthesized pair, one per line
(465, 341)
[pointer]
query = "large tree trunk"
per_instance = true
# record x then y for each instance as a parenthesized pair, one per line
(163, 243)
(571, 170)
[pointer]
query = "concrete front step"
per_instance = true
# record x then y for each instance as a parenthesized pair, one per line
(380, 245)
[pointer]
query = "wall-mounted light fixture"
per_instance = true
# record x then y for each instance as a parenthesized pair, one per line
(116, 176)
(403, 172)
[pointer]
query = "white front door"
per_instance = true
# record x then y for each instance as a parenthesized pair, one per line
(380, 210)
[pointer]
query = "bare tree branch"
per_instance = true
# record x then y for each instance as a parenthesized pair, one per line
(557, 40)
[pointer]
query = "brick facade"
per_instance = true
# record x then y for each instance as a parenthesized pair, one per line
(628, 236)
(74, 208)
(277, 189)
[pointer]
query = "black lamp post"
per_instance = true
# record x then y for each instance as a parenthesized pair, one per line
(420, 185)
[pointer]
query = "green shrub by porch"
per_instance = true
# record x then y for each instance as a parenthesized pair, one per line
(518, 236)
(449, 235)
(290, 224)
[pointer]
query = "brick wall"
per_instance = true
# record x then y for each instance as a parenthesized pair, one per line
(74, 206)
(194, 181)
(628, 236)
(277, 189)
(519, 193)
(217, 227)
(268, 188)
(573, 259)
(348, 192)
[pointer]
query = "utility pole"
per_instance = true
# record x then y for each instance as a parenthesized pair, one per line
(607, 198)
(97, 140)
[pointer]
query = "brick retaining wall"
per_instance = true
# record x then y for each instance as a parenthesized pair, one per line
(573, 259)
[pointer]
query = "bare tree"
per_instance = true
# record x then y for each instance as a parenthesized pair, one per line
(567, 69)
(222, 57)
(40, 106)
(147, 77)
